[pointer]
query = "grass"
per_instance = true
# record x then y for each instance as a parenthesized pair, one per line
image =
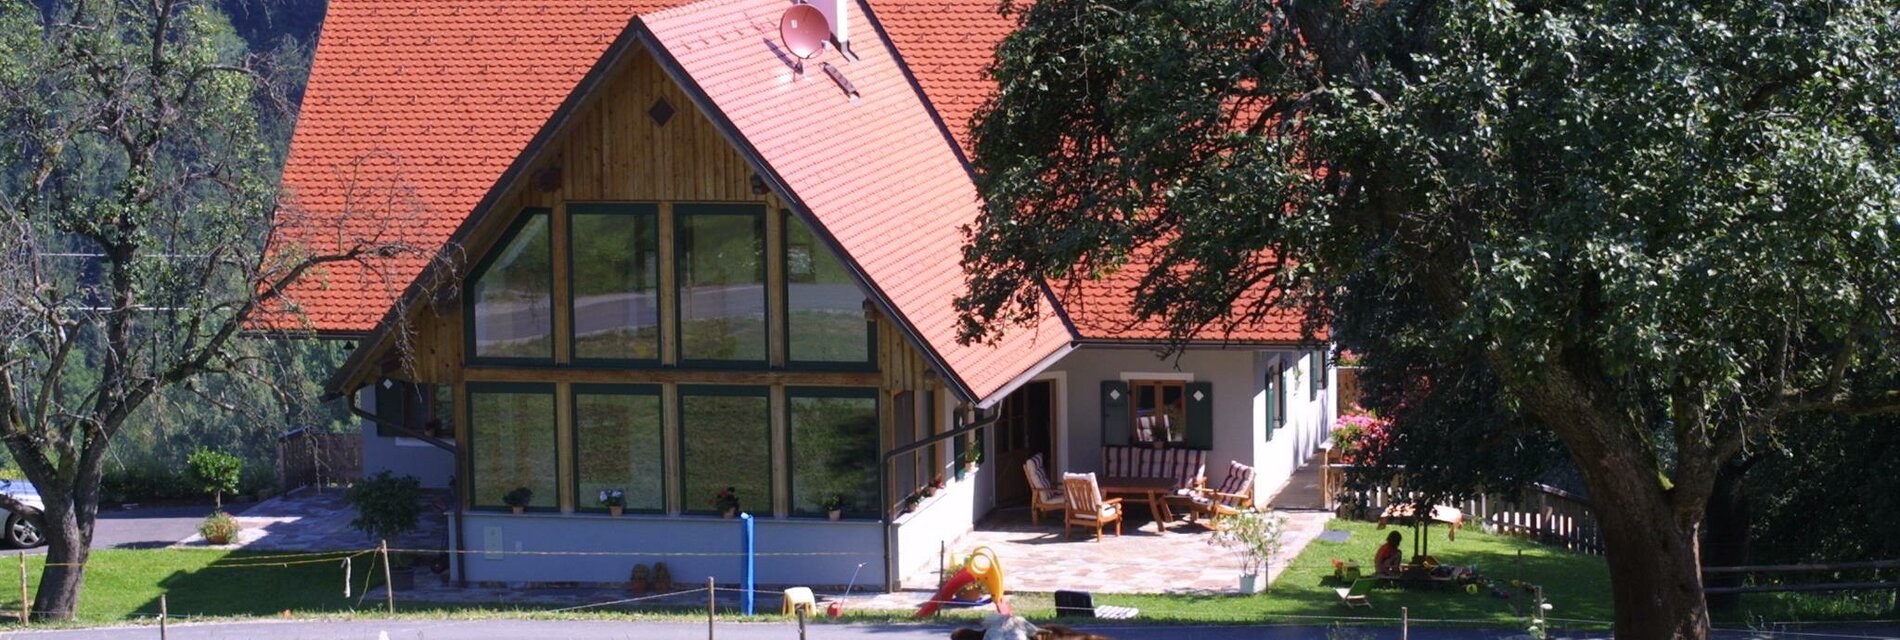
(125, 585)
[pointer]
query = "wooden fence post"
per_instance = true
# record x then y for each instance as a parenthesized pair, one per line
(389, 586)
(26, 603)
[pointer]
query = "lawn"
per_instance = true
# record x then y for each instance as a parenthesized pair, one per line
(125, 585)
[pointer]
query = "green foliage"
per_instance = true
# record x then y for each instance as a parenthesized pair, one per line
(1255, 537)
(219, 528)
(386, 506)
(518, 497)
(1656, 230)
(215, 472)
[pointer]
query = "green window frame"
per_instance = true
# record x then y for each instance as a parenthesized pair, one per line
(491, 499)
(684, 216)
(691, 499)
(866, 506)
(818, 254)
(587, 499)
(532, 219)
(643, 219)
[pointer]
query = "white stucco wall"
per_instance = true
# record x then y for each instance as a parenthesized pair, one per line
(402, 456)
(532, 547)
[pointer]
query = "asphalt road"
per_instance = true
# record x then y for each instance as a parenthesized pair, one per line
(606, 630)
(147, 527)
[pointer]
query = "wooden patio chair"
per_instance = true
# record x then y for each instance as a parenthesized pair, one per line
(1355, 595)
(1043, 495)
(1086, 506)
(1234, 494)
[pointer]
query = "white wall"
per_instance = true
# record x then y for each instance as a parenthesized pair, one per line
(1240, 422)
(606, 548)
(938, 521)
(402, 456)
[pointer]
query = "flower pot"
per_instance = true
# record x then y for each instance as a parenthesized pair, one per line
(638, 586)
(1251, 583)
(729, 514)
(835, 515)
(662, 578)
(518, 510)
(615, 511)
(1157, 444)
(218, 539)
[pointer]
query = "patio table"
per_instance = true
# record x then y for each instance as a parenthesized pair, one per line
(1155, 489)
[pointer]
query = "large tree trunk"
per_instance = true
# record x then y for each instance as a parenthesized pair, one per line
(67, 525)
(1655, 574)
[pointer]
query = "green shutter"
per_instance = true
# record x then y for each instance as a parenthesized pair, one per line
(1114, 412)
(1200, 415)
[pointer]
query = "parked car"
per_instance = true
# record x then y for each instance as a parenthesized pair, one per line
(23, 507)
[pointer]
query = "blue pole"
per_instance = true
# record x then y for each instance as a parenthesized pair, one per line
(747, 542)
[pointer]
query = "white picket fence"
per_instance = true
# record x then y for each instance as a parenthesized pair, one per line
(1540, 512)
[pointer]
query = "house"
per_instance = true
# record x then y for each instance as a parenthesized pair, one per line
(671, 263)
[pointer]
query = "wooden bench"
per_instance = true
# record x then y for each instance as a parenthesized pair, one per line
(1187, 467)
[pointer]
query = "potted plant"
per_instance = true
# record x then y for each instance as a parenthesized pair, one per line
(518, 499)
(1254, 537)
(726, 502)
(834, 507)
(615, 500)
(910, 502)
(388, 506)
(972, 456)
(662, 579)
(216, 473)
(219, 528)
(936, 484)
(638, 583)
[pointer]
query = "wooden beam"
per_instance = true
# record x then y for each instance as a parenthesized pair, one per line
(676, 376)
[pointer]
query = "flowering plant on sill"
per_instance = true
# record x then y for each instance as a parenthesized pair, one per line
(613, 498)
(727, 500)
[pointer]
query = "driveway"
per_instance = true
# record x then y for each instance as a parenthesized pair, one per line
(148, 527)
(618, 630)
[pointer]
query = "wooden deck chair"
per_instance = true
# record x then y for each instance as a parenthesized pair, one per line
(1355, 595)
(1086, 506)
(1043, 495)
(1234, 494)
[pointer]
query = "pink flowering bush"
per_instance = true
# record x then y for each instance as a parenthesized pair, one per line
(1361, 437)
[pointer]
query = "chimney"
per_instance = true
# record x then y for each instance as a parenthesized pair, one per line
(837, 14)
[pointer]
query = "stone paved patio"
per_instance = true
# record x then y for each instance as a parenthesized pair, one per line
(313, 521)
(1141, 560)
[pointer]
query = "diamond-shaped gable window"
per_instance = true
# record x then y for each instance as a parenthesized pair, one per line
(661, 111)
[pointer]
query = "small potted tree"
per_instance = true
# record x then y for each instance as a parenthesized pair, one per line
(834, 507)
(726, 502)
(615, 500)
(640, 581)
(662, 578)
(388, 506)
(216, 473)
(518, 499)
(1254, 537)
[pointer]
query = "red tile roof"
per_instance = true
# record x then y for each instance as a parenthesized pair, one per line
(876, 172)
(949, 45)
(413, 110)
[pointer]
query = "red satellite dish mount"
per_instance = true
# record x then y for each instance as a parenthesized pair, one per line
(805, 32)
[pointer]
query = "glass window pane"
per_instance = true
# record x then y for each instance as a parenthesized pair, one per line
(617, 437)
(616, 262)
(512, 428)
(727, 443)
(722, 284)
(825, 307)
(834, 453)
(512, 296)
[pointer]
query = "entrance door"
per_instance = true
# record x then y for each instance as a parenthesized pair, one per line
(1025, 427)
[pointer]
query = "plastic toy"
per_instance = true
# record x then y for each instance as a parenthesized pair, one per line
(982, 568)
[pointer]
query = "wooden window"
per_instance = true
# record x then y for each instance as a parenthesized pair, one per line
(725, 441)
(617, 446)
(511, 433)
(834, 442)
(1158, 410)
(423, 408)
(1275, 385)
(615, 266)
(510, 302)
(721, 274)
(825, 323)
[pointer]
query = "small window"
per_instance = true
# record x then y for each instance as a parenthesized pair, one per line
(618, 447)
(511, 429)
(726, 441)
(834, 440)
(425, 409)
(721, 284)
(1276, 395)
(825, 321)
(1159, 411)
(615, 262)
(510, 303)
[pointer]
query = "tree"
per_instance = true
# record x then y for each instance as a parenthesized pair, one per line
(1662, 226)
(216, 472)
(141, 236)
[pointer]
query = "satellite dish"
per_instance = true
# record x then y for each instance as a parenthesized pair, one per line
(804, 30)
